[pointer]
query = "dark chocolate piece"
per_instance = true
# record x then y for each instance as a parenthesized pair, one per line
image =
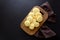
(52, 18)
(46, 6)
(39, 34)
(47, 32)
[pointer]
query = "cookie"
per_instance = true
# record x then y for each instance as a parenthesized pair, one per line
(27, 23)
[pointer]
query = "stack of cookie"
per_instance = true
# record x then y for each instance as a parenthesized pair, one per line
(33, 19)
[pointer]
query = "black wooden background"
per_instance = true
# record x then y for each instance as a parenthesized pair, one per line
(12, 13)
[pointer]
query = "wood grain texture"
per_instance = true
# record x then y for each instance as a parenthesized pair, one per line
(32, 32)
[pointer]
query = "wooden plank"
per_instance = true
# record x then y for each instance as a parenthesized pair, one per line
(32, 32)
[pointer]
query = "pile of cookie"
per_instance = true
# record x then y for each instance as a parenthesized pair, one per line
(33, 19)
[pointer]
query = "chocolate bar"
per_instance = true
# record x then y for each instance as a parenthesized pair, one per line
(39, 34)
(46, 6)
(52, 18)
(47, 32)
